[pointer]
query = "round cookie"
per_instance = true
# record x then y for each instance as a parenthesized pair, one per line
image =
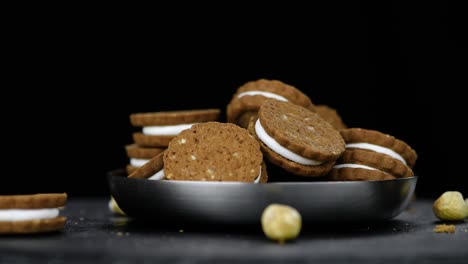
(376, 141)
(140, 155)
(331, 116)
(296, 139)
(358, 164)
(24, 214)
(250, 96)
(159, 128)
(214, 152)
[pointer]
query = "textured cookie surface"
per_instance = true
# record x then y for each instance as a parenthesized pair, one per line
(150, 168)
(301, 131)
(359, 135)
(33, 201)
(174, 117)
(33, 226)
(331, 116)
(213, 152)
(135, 151)
(290, 166)
(251, 103)
(383, 166)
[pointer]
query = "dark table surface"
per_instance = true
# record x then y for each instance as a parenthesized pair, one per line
(92, 234)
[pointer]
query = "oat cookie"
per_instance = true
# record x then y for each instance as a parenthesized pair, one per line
(214, 152)
(296, 139)
(159, 128)
(248, 98)
(331, 116)
(25, 214)
(372, 155)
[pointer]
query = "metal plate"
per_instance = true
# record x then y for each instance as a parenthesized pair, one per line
(243, 203)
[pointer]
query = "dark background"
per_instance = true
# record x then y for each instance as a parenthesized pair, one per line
(75, 79)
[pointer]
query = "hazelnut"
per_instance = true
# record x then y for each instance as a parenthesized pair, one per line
(450, 206)
(281, 222)
(114, 207)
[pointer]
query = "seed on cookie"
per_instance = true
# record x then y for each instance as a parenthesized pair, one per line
(296, 139)
(214, 151)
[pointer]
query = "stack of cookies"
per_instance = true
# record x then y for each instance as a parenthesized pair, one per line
(158, 129)
(267, 119)
(372, 155)
(310, 140)
(209, 151)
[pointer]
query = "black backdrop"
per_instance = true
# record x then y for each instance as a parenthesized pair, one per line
(375, 65)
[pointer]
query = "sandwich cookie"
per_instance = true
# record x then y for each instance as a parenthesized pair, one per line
(250, 96)
(139, 156)
(25, 214)
(151, 170)
(296, 139)
(372, 155)
(330, 115)
(214, 152)
(159, 128)
(375, 141)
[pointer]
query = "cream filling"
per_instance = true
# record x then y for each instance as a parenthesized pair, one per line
(173, 130)
(138, 162)
(160, 175)
(378, 149)
(157, 176)
(280, 150)
(266, 94)
(28, 214)
(356, 166)
(257, 180)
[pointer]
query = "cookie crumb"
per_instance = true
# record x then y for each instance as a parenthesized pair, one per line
(443, 228)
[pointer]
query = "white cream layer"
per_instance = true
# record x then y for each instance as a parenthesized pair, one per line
(173, 130)
(280, 150)
(138, 162)
(378, 149)
(28, 214)
(262, 93)
(157, 176)
(355, 166)
(160, 175)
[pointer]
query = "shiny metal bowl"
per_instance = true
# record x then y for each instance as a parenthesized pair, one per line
(243, 203)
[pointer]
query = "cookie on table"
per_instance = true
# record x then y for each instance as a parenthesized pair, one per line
(159, 128)
(372, 155)
(27, 214)
(214, 152)
(248, 98)
(296, 139)
(331, 116)
(139, 156)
